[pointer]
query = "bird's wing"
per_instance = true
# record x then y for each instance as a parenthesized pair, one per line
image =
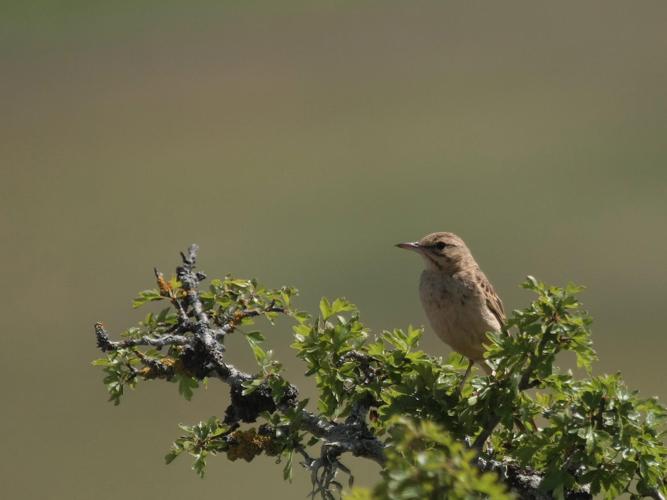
(493, 302)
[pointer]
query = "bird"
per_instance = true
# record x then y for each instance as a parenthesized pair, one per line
(459, 301)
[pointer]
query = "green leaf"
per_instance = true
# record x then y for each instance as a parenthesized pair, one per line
(325, 308)
(186, 385)
(287, 470)
(171, 456)
(254, 337)
(145, 297)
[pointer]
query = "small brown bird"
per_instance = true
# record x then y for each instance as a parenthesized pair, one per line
(460, 303)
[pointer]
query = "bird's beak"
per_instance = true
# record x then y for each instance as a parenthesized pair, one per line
(410, 245)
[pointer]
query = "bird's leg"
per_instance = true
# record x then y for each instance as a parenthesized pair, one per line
(465, 375)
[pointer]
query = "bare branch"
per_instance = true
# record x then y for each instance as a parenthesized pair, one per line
(105, 344)
(524, 481)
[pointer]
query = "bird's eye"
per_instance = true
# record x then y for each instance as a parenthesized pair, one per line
(440, 245)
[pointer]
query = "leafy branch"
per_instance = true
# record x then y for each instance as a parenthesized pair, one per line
(383, 399)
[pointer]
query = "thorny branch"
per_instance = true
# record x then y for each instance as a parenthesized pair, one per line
(202, 342)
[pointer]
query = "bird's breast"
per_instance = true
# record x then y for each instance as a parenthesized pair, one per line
(456, 313)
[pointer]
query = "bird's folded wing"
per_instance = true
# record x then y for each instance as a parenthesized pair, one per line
(493, 302)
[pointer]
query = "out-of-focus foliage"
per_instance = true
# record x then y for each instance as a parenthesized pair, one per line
(579, 434)
(424, 461)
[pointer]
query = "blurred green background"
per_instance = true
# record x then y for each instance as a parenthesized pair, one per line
(296, 142)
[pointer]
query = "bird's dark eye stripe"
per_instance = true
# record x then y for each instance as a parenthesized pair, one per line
(440, 245)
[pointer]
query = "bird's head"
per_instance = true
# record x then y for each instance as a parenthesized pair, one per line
(442, 251)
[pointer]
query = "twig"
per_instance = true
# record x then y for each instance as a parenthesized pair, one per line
(105, 344)
(656, 495)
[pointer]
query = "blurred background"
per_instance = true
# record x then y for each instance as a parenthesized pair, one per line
(296, 142)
